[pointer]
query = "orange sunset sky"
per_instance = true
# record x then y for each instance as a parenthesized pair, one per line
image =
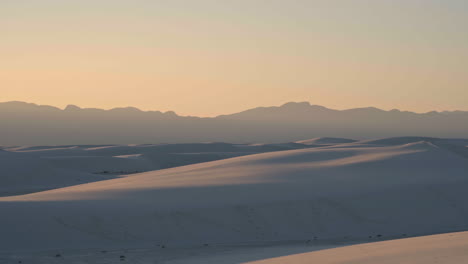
(210, 57)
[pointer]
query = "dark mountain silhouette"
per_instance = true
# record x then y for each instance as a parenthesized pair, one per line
(30, 124)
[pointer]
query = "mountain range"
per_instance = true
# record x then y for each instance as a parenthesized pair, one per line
(31, 124)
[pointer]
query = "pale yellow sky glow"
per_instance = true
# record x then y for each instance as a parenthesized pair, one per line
(210, 57)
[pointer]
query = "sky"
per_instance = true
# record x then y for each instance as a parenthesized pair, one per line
(211, 57)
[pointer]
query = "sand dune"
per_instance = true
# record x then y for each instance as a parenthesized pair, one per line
(326, 194)
(32, 169)
(446, 248)
(325, 141)
(22, 173)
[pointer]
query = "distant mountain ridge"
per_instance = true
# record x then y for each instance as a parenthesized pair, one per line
(32, 124)
(287, 107)
(307, 108)
(24, 107)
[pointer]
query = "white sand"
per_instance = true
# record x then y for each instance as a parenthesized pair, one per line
(449, 248)
(325, 141)
(31, 169)
(343, 193)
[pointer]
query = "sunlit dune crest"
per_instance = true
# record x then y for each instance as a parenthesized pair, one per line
(344, 192)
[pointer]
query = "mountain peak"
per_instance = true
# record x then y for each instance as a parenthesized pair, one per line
(170, 113)
(72, 108)
(296, 105)
(128, 109)
(306, 106)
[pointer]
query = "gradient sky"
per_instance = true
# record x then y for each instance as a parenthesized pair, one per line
(210, 57)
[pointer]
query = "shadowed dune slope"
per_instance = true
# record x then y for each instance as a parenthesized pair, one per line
(323, 194)
(38, 168)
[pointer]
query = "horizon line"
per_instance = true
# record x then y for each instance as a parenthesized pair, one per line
(218, 115)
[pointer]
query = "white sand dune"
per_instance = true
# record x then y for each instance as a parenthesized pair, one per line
(32, 169)
(400, 140)
(326, 141)
(351, 193)
(445, 248)
(22, 173)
